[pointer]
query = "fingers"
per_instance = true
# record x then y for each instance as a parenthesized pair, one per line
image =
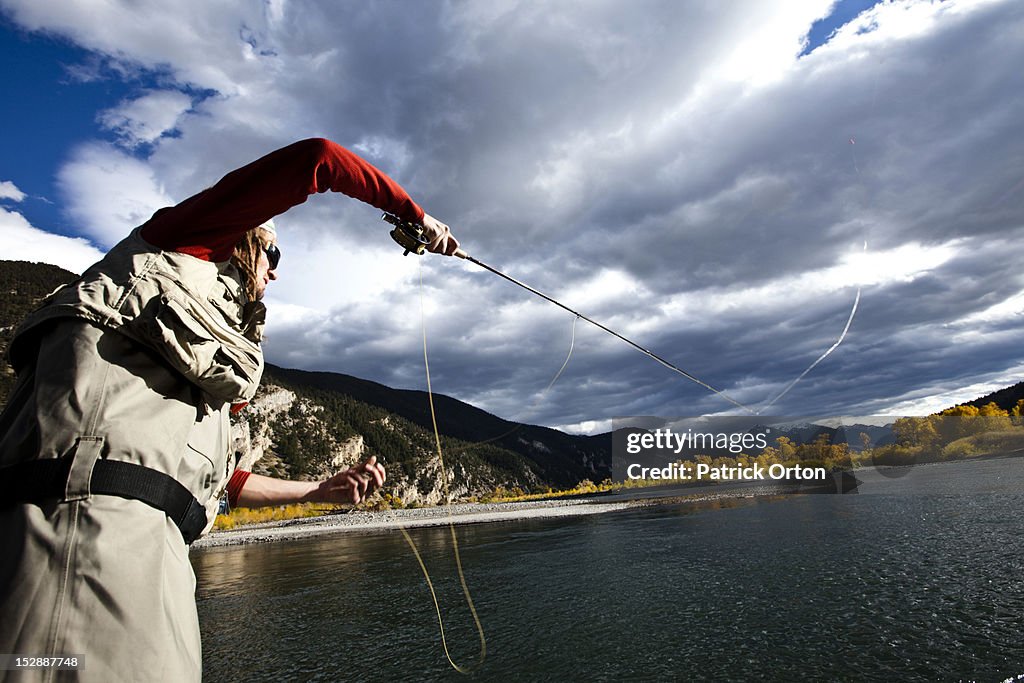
(439, 242)
(371, 477)
(352, 486)
(376, 472)
(432, 228)
(356, 484)
(449, 246)
(440, 235)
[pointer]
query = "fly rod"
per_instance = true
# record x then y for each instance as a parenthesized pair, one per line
(411, 238)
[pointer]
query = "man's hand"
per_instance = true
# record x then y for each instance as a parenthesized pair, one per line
(352, 485)
(440, 236)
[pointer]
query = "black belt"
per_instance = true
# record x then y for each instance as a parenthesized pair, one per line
(35, 481)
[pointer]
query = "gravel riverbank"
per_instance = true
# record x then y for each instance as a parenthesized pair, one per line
(358, 520)
(461, 513)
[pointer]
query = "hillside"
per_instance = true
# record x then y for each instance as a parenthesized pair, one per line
(305, 424)
(22, 285)
(1004, 398)
(559, 458)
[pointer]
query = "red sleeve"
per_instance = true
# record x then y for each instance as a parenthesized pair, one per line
(209, 224)
(235, 486)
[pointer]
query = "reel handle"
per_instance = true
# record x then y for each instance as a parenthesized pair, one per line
(410, 236)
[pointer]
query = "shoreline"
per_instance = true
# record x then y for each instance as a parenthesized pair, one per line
(360, 521)
(371, 522)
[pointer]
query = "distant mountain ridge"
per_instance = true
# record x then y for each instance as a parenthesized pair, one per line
(1004, 398)
(878, 435)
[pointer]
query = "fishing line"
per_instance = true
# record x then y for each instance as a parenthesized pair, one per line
(536, 401)
(656, 357)
(444, 480)
(849, 320)
(451, 524)
(853, 312)
(410, 237)
(671, 366)
(572, 343)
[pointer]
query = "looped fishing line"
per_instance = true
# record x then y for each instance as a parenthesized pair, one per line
(842, 336)
(444, 481)
(849, 320)
(451, 525)
(536, 401)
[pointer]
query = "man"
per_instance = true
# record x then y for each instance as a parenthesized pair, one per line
(115, 441)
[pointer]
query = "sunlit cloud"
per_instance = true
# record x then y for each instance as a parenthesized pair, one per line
(10, 191)
(23, 242)
(109, 193)
(145, 119)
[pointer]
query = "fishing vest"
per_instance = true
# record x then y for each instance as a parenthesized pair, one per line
(192, 313)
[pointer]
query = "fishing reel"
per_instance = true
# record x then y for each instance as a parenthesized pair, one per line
(408, 235)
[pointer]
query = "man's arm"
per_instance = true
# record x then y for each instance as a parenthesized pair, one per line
(207, 225)
(352, 485)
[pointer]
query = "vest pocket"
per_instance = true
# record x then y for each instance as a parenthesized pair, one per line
(206, 351)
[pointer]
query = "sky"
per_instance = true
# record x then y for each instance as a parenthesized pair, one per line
(715, 181)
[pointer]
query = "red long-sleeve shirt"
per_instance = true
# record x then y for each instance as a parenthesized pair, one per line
(209, 224)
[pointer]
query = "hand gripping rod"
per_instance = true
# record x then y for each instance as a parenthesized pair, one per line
(410, 236)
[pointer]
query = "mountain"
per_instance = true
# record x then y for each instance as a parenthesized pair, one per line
(1004, 398)
(851, 434)
(559, 458)
(22, 286)
(843, 434)
(305, 424)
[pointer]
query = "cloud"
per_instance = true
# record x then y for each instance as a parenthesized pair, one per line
(10, 191)
(203, 43)
(147, 118)
(108, 193)
(23, 242)
(674, 170)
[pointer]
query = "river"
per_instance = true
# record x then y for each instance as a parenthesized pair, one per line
(918, 578)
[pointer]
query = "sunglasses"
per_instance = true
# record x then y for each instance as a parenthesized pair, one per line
(273, 255)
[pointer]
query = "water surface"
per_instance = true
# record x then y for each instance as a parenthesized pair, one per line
(904, 582)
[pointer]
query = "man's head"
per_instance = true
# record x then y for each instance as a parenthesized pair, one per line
(256, 256)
